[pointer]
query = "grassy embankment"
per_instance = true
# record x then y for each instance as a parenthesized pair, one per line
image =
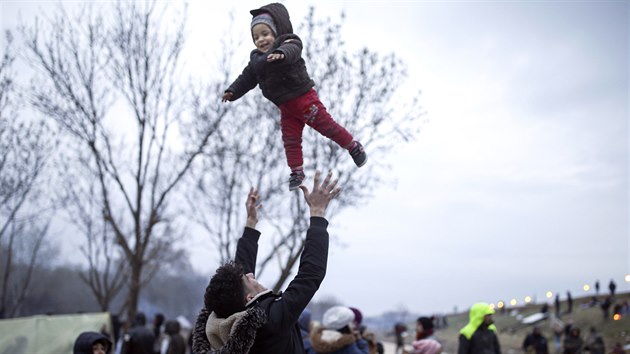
(512, 333)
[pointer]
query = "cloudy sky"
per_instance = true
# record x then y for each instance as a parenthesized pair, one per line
(518, 183)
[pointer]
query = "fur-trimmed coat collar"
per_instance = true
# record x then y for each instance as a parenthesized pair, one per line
(232, 335)
(330, 341)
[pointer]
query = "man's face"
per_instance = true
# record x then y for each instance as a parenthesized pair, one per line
(488, 320)
(252, 286)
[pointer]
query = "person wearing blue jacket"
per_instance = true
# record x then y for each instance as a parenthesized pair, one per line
(338, 335)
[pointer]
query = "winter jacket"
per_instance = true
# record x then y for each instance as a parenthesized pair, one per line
(273, 325)
(327, 341)
(537, 342)
(280, 80)
(139, 340)
(281, 333)
(477, 337)
(84, 342)
(176, 345)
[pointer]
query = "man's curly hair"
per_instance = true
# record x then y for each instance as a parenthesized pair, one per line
(225, 294)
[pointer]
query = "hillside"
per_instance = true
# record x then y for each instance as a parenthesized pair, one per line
(512, 333)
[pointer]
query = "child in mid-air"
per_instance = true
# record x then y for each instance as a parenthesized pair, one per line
(277, 66)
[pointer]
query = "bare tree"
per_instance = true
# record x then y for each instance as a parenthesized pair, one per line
(360, 91)
(24, 217)
(107, 272)
(114, 88)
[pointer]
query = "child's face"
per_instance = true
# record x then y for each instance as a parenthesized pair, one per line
(263, 37)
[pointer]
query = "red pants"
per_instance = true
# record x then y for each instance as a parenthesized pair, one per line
(307, 109)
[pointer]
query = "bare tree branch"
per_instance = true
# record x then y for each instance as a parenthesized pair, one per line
(135, 158)
(24, 214)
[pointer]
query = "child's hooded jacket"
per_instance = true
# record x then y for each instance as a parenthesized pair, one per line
(281, 80)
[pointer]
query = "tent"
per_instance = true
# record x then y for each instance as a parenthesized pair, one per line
(43, 334)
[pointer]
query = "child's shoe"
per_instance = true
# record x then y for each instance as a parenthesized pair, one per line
(295, 181)
(358, 154)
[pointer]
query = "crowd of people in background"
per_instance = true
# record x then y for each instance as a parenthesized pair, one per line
(162, 337)
(574, 341)
(342, 331)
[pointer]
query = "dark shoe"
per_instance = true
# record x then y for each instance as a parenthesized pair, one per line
(358, 154)
(295, 181)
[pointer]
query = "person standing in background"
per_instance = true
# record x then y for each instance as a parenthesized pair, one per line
(479, 335)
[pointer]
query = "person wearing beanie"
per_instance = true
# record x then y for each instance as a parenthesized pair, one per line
(479, 335)
(374, 346)
(424, 328)
(266, 19)
(358, 317)
(240, 315)
(337, 333)
(91, 343)
(277, 66)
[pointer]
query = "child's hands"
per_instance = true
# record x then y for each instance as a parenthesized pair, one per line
(227, 96)
(275, 56)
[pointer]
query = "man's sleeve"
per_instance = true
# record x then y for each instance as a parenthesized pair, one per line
(247, 250)
(310, 275)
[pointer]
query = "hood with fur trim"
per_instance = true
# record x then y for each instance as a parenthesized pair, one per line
(329, 341)
(232, 335)
(280, 16)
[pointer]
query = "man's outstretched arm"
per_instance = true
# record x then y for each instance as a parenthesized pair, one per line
(314, 258)
(247, 246)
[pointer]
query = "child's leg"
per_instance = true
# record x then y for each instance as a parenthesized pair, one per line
(292, 127)
(318, 118)
(308, 109)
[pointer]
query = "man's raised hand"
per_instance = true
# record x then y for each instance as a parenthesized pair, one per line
(252, 207)
(321, 195)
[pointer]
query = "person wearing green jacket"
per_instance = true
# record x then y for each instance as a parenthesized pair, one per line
(479, 335)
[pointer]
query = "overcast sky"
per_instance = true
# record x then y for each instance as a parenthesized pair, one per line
(518, 183)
